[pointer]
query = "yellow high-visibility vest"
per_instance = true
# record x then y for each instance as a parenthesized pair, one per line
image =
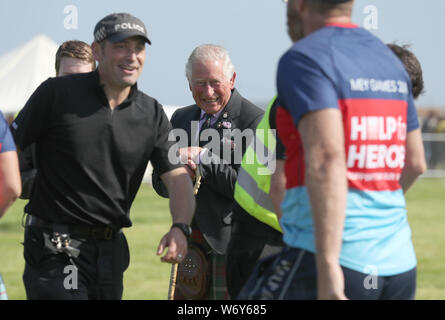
(253, 182)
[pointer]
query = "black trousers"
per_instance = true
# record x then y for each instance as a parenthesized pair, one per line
(97, 274)
(251, 241)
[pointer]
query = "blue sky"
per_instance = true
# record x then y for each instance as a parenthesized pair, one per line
(253, 31)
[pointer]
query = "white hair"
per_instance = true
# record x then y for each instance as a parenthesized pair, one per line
(210, 52)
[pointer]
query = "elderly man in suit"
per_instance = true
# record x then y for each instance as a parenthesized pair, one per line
(224, 115)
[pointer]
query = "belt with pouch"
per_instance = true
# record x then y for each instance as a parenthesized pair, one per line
(91, 232)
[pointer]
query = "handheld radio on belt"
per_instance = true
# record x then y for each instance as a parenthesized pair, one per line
(62, 242)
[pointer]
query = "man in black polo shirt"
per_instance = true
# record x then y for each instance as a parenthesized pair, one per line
(95, 133)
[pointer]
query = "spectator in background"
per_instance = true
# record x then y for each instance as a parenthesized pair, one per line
(438, 149)
(429, 125)
(433, 150)
(412, 66)
(414, 70)
(10, 186)
(72, 57)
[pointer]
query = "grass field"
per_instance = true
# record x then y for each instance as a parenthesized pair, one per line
(147, 277)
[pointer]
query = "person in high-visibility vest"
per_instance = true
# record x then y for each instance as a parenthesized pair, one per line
(256, 232)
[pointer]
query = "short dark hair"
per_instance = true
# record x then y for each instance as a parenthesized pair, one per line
(324, 6)
(412, 66)
(75, 49)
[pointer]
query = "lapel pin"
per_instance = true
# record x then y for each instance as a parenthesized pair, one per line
(227, 124)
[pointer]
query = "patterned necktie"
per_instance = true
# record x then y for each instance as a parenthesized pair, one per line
(207, 121)
(205, 125)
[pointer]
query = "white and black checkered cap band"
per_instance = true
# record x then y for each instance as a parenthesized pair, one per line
(119, 26)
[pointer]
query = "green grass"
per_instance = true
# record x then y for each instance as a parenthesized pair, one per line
(147, 277)
(426, 216)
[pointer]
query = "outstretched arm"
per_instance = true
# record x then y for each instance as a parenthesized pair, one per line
(10, 183)
(182, 208)
(323, 141)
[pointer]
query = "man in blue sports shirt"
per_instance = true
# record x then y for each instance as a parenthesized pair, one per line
(354, 147)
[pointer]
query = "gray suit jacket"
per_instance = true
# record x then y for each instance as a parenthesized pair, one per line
(215, 201)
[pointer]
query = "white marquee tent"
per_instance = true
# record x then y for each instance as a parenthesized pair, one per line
(23, 69)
